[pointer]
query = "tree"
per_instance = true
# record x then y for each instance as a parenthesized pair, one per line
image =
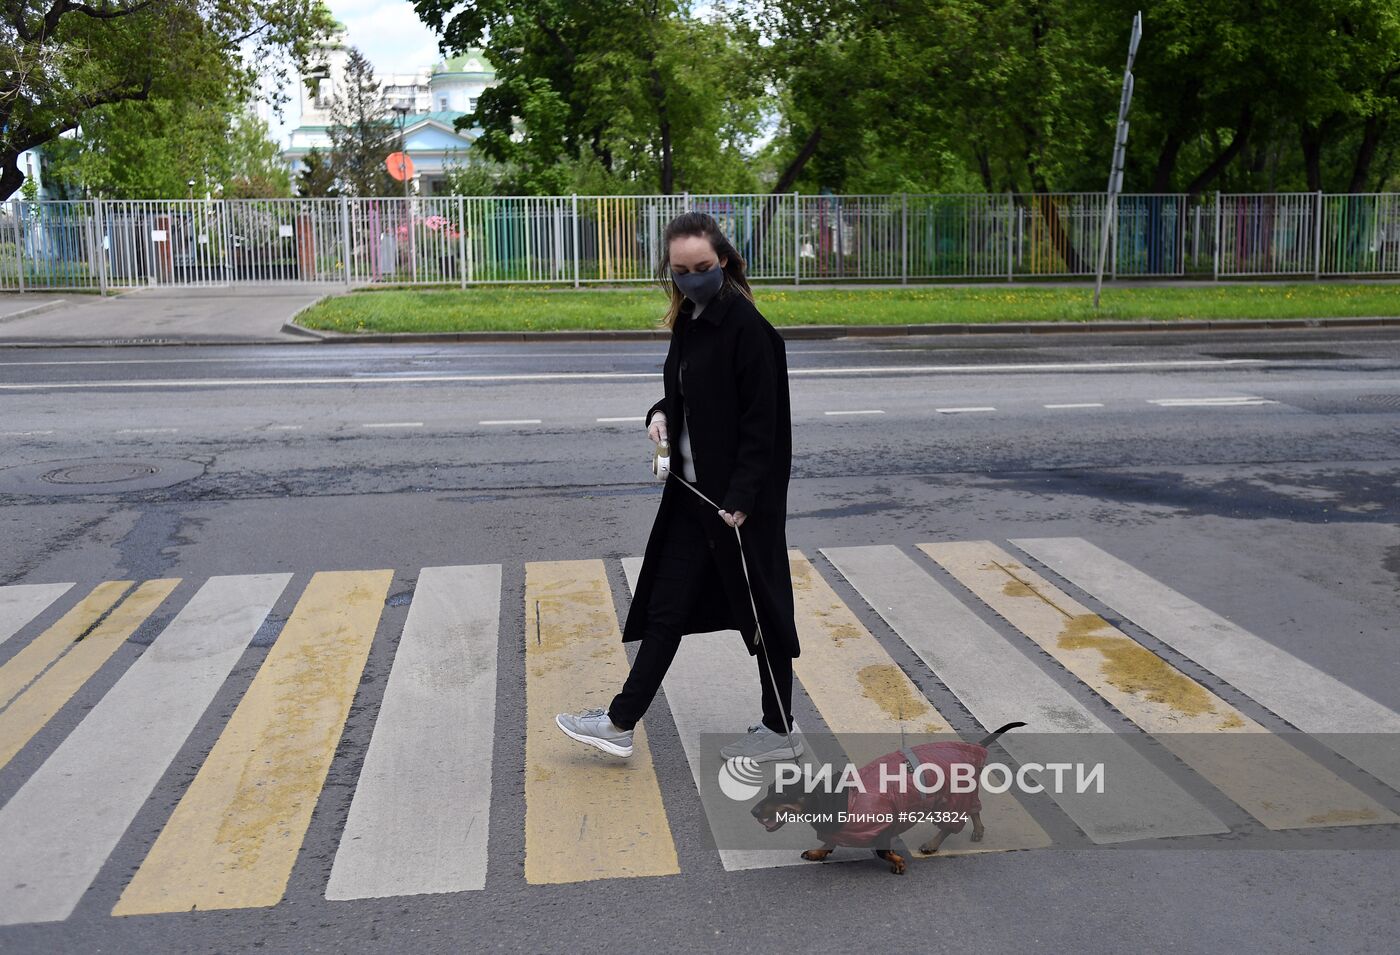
(255, 160)
(62, 59)
(362, 134)
(635, 94)
(151, 149)
(317, 176)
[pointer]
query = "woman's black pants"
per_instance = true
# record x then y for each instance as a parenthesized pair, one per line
(680, 574)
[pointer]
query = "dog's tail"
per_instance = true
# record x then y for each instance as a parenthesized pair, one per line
(991, 737)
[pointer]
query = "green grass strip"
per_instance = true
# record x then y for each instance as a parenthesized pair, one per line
(517, 308)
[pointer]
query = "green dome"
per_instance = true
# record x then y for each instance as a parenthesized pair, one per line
(473, 60)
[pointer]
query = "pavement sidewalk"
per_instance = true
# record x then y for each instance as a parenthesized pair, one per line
(214, 315)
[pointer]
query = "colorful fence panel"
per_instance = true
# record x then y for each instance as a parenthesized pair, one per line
(579, 240)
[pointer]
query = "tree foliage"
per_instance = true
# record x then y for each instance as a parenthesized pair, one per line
(316, 180)
(152, 149)
(610, 95)
(62, 59)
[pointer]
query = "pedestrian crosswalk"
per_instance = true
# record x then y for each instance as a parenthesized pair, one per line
(1004, 641)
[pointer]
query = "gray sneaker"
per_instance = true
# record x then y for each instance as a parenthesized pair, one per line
(594, 728)
(762, 745)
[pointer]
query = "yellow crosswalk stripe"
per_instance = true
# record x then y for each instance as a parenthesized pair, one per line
(48, 646)
(35, 706)
(235, 835)
(587, 815)
(1277, 784)
(865, 699)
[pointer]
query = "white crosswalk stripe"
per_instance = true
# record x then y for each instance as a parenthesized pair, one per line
(418, 822)
(21, 603)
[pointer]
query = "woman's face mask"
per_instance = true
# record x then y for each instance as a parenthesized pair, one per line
(700, 287)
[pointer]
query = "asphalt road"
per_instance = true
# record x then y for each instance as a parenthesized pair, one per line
(1255, 473)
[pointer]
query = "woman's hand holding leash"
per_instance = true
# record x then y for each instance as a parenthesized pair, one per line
(656, 429)
(733, 520)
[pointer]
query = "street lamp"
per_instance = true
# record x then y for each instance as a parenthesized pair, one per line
(402, 110)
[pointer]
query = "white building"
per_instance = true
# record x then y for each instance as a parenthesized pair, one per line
(31, 163)
(433, 98)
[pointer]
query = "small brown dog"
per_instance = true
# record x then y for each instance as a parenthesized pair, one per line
(874, 817)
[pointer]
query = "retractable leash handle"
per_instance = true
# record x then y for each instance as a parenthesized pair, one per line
(753, 604)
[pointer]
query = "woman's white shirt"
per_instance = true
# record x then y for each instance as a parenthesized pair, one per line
(683, 436)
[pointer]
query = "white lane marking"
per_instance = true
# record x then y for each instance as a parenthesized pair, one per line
(512, 421)
(1191, 402)
(393, 424)
(284, 427)
(418, 821)
(636, 418)
(879, 370)
(21, 603)
(147, 430)
(1078, 404)
(710, 687)
(957, 410)
(871, 411)
(61, 826)
(1358, 727)
(998, 683)
(22, 434)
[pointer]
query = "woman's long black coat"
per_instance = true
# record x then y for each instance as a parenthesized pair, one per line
(740, 424)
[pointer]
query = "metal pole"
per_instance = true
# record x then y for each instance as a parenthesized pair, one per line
(574, 200)
(1113, 241)
(1010, 234)
(1317, 238)
(1195, 236)
(904, 238)
(345, 236)
(19, 243)
(462, 240)
(226, 208)
(1115, 169)
(101, 248)
(408, 207)
(1215, 257)
(796, 242)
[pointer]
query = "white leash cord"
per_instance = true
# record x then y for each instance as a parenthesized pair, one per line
(757, 628)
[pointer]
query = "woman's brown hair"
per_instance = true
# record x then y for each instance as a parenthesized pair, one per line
(700, 224)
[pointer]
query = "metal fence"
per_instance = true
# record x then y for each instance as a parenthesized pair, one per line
(115, 244)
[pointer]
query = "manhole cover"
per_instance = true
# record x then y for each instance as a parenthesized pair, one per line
(97, 476)
(100, 473)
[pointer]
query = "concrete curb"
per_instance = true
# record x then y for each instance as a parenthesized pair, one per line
(33, 310)
(828, 332)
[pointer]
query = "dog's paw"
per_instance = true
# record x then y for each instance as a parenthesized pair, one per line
(895, 860)
(930, 847)
(977, 834)
(816, 855)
